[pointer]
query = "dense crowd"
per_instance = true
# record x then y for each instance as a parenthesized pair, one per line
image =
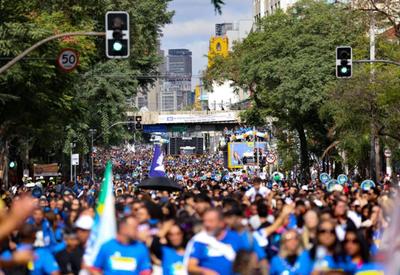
(222, 222)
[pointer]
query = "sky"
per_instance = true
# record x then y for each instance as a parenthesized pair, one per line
(194, 23)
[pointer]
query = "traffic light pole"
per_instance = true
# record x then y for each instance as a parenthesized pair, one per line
(44, 41)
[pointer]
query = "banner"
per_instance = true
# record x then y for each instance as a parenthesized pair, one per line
(45, 170)
(195, 118)
(157, 164)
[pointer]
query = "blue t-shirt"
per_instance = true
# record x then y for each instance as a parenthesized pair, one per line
(44, 262)
(172, 262)
(215, 258)
(280, 266)
(308, 265)
(117, 258)
(251, 244)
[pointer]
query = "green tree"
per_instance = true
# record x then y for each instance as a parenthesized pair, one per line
(42, 109)
(287, 65)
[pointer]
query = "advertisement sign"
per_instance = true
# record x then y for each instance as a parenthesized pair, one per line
(45, 170)
(243, 153)
(195, 118)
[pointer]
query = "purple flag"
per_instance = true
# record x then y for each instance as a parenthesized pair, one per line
(157, 167)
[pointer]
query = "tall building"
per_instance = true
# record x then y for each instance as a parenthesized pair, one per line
(176, 93)
(179, 61)
(226, 34)
(263, 8)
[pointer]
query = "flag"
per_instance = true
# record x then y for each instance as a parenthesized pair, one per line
(105, 226)
(157, 164)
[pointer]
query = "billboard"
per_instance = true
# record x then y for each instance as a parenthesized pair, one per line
(244, 153)
(45, 170)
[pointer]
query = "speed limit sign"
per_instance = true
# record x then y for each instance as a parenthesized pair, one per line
(68, 59)
(271, 158)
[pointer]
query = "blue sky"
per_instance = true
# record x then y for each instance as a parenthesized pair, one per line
(194, 24)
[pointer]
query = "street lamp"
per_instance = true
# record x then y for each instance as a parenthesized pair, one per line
(92, 132)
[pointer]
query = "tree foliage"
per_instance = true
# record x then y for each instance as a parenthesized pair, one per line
(288, 66)
(46, 108)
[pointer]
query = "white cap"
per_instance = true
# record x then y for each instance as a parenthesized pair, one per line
(30, 185)
(304, 187)
(84, 222)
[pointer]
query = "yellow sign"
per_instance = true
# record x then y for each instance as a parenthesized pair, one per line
(219, 46)
(197, 95)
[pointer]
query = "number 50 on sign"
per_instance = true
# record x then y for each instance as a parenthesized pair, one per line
(68, 59)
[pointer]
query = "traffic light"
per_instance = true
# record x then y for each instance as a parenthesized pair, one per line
(131, 124)
(138, 124)
(344, 62)
(12, 164)
(117, 34)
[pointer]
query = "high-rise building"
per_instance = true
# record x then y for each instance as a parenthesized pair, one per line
(179, 61)
(222, 28)
(177, 89)
(224, 96)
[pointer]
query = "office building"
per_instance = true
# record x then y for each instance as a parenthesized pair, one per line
(176, 91)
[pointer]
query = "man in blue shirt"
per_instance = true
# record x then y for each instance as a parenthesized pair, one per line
(124, 255)
(213, 251)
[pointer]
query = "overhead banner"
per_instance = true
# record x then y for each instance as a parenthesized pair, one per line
(244, 153)
(45, 170)
(154, 129)
(195, 118)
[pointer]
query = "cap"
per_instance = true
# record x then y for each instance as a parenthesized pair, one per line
(304, 187)
(30, 185)
(84, 222)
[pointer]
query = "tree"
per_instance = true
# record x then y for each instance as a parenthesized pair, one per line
(39, 103)
(218, 5)
(288, 67)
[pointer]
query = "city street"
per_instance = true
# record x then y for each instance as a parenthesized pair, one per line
(187, 137)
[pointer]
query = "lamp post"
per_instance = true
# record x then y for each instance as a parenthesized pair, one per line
(92, 132)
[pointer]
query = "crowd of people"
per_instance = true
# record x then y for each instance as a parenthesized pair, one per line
(222, 222)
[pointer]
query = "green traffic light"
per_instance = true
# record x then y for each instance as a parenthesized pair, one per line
(117, 46)
(343, 70)
(12, 164)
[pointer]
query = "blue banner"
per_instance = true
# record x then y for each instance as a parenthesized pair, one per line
(154, 129)
(157, 165)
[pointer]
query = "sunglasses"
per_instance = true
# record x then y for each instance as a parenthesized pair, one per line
(323, 231)
(353, 241)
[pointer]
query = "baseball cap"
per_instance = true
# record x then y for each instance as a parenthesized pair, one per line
(84, 222)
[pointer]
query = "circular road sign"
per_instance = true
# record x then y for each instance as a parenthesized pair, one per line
(271, 158)
(342, 179)
(68, 59)
(388, 153)
(324, 177)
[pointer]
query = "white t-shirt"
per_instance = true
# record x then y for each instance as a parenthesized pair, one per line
(251, 193)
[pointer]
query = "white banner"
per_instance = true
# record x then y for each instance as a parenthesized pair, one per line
(194, 118)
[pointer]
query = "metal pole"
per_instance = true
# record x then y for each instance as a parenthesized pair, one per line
(38, 44)
(70, 161)
(92, 131)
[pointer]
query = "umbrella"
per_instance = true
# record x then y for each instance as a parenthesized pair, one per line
(160, 183)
